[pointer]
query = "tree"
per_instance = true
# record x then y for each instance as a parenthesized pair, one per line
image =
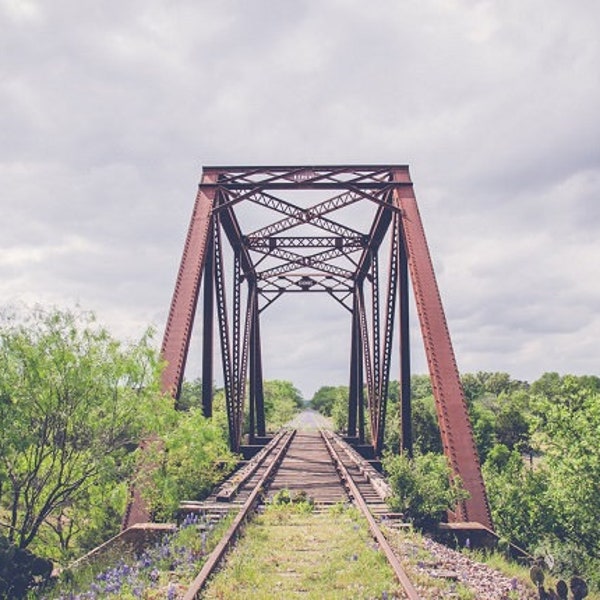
(281, 401)
(552, 505)
(425, 428)
(518, 497)
(191, 395)
(73, 403)
(566, 431)
(324, 399)
(512, 422)
(339, 412)
(483, 421)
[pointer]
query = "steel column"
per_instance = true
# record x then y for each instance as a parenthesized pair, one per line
(224, 337)
(252, 377)
(257, 374)
(361, 397)
(208, 330)
(355, 358)
(366, 353)
(405, 388)
(236, 348)
(390, 308)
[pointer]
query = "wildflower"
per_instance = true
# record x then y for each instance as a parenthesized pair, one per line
(145, 560)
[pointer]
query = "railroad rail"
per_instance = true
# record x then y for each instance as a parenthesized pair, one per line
(338, 456)
(317, 463)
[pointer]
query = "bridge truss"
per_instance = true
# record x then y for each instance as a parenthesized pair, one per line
(351, 232)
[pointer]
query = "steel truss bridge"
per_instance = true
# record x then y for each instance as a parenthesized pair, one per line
(351, 232)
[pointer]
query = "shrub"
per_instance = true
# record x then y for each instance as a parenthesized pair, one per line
(423, 488)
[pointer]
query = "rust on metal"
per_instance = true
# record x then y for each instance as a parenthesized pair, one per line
(310, 246)
(185, 297)
(455, 426)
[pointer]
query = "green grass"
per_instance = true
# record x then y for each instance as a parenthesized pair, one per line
(292, 553)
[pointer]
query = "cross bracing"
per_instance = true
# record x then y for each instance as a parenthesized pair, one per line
(353, 233)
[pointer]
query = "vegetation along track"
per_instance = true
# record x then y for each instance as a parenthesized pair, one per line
(317, 465)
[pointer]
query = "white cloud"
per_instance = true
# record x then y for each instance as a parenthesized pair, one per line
(109, 110)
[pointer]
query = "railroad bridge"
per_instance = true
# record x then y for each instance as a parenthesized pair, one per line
(351, 232)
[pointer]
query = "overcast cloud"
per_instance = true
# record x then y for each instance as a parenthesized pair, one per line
(108, 110)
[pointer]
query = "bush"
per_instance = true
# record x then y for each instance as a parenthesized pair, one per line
(423, 488)
(191, 458)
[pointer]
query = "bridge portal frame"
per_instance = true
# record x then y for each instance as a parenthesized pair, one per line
(325, 263)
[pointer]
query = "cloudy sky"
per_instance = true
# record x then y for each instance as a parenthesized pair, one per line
(108, 110)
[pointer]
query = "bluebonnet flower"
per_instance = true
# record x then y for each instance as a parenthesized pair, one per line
(145, 560)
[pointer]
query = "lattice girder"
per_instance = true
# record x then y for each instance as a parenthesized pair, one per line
(293, 244)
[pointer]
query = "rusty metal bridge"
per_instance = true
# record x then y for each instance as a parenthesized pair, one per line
(259, 233)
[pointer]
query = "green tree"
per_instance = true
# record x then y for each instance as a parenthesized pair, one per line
(420, 386)
(566, 428)
(519, 501)
(73, 402)
(339, 413)
(425, 428)
(191, 395)
(512, 422)
(282, 401)
(324, 400)
(483, 420)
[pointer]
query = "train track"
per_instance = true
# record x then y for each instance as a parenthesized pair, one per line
(316, 463)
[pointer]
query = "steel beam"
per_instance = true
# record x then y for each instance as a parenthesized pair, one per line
(178, 330)
(390, 308)
(226, 355)
(253, 242)
(405, 371)
(457, 435)
(257, 373)
(208, 330)
(367, 359)
(355, 358)
(293, 269)
(375, 401)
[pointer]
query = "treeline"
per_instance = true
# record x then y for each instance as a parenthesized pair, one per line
(539, 448)
(74, 405)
